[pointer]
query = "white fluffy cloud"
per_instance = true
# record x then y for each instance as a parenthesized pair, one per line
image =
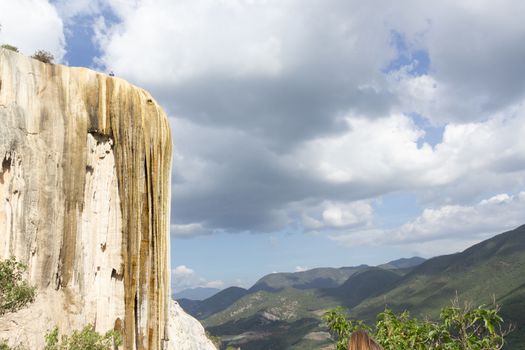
(458, 226)
(183, 277)
(385, 152)
(32, 25)
(337, 215)
(186, 42)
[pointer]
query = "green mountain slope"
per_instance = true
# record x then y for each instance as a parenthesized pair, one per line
(513, 308)
(325, 277)
(216, 303)
(290, 316)
(283, 313)
(363, 285)
(489, 269)
(272, 320)
(403, 263)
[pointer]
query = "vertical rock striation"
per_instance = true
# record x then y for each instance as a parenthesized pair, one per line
(84, 201)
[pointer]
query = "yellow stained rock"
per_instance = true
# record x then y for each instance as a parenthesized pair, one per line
(84, 201)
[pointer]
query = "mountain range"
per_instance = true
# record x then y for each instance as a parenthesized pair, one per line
(283, 310)
(198, 293)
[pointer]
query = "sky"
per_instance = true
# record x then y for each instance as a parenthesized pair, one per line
(313, 133)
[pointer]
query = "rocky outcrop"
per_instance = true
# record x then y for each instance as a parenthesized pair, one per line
(186, 332)
(85, 165)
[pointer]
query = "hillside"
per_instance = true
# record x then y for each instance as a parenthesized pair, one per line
(403, 263)
(324, 277)
(214, 304)
(362, 285)
(291, 316)
(286, 315)
(491, 268)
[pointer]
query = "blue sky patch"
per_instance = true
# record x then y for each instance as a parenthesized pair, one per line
(417, 62)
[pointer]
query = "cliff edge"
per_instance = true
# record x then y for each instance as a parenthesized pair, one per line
(85, 202)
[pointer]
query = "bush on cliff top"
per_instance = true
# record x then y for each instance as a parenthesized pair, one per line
(9, 47)
(43, 56)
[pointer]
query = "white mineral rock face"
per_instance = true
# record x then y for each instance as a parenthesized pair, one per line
(186, 332)
(85, 164)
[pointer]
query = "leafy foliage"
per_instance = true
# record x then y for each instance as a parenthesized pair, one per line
(459, 328)
(43, 56)
(9, 47)
(5, 346)
(342, 327)
(86, 339)
(15, 292)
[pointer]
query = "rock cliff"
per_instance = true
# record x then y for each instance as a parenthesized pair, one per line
(84, 202)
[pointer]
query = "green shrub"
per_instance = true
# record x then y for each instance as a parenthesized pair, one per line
(15, 292)
(43, 56)
(86, 339)
(12, 48)
(458, 328)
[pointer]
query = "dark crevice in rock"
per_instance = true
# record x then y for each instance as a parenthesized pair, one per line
(6, 166)
(115, 275)
(101, 138)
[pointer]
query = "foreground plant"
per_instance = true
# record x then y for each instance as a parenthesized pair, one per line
(86, 339)
(460, 327)
(15, 291)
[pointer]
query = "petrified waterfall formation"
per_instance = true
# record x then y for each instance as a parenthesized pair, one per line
(84, 201)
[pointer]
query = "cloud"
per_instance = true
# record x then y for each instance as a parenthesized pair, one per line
(325, 181)
(300, 268)
(215, 284)
(267, 70)
(32, 25)
(183, 270)
(385, 155)
(286, 115)
(337, 215)
(458, 225)
(188, 230)
(183, 277)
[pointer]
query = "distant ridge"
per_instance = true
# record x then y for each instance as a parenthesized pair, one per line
(281, 310)
(216, 303)
(199, 293)
(323, 277)
(403, 263)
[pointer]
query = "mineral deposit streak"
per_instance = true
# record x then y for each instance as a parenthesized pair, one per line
(85, 188)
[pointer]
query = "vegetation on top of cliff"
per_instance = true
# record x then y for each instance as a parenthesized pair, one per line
(9, 47)
(43, 56)
(460, 327)
(15, 291)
